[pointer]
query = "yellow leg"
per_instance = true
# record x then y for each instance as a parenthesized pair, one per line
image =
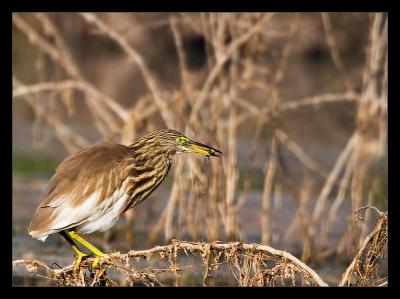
(101, 272)
(79, 254)
(99, 254)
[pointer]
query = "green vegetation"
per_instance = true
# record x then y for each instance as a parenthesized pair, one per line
(27, 164)
(381, 194)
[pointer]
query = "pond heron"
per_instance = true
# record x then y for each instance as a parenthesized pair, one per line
(93, 187)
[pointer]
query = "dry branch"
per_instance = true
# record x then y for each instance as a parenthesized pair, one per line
(270, 169)
(329, 184)
(62, 56)
(299, 152)
(363, 267)
(138, 59)
(24, 90)
(321, 99)
(333, 48)
(234, 45)
(234, 253)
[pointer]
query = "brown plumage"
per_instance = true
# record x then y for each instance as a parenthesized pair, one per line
(93, 187)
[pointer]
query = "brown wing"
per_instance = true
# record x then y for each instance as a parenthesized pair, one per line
(95, 170)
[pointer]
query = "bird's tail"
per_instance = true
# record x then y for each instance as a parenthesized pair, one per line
(38, 235)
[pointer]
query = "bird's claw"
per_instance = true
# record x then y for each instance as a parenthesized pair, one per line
(79, 258)
(101, 272)
(101, 268)
(96, 263)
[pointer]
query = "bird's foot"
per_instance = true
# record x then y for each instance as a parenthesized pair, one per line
(101, 269)
(96, 263)
(101, 272)
(79, 258)
(100, 255)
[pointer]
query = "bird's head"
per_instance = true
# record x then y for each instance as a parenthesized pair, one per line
(174, 142)
(185, 145)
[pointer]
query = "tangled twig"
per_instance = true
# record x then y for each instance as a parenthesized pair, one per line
(250, 264)
(255, 256)
(361, 270)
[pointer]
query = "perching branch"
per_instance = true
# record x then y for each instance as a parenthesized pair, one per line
(285, 266)
(250, 264)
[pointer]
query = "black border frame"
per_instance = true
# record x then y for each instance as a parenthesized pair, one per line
(9, 6)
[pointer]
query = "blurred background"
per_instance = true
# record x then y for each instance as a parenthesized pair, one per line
(297, 102)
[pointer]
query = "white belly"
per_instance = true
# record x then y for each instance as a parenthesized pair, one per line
(106, 219)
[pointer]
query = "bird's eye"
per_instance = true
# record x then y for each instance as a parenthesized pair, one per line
(181, 140)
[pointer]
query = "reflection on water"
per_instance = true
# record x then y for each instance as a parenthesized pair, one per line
(32, 281)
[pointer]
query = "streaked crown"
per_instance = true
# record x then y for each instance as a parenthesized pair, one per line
(169, 142)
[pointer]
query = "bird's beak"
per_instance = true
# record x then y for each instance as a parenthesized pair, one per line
(197, 147)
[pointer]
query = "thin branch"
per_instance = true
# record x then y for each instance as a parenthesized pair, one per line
(230, 249)
(139, 60)
(299, 152)
(213, 74)
(36, 38)
(24, 90)
(254, 110)
(331, 41)
(270, 168)
(379, 232)
(185, 82)
(333, 175)
(320, 99)
(66, 62)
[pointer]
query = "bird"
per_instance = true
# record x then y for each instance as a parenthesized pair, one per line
(92, 188)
